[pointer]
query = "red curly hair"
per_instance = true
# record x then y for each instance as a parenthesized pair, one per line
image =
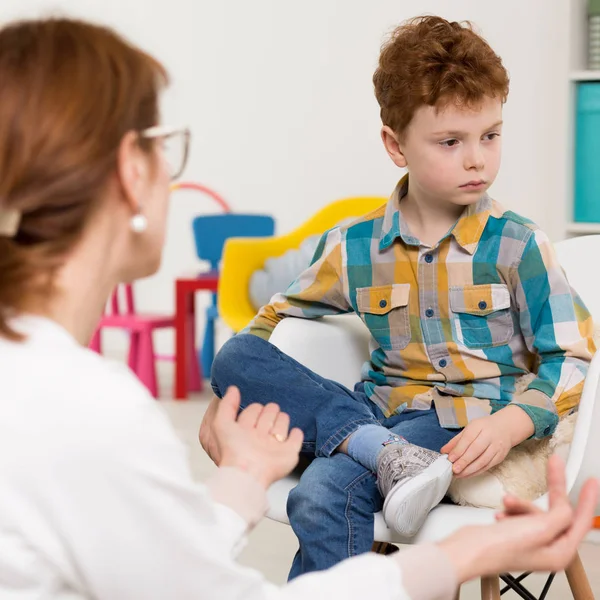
(433, 62)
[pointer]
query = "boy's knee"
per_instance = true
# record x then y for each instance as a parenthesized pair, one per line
(310, 498)
(236, 351)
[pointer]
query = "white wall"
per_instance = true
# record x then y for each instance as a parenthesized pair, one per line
(279, 98)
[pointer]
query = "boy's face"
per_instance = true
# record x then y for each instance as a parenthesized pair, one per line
(453, 154)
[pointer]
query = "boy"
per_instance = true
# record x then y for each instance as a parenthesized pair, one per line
(461, 297)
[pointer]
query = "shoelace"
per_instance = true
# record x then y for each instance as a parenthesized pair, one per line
(401, 462)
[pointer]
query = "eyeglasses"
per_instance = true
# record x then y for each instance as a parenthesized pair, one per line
(175, 146)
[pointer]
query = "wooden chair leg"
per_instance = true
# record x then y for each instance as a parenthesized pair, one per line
(490, 588)
(578, 581)
(384, 548)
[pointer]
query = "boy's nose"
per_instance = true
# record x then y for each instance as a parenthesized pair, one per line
(474, 160)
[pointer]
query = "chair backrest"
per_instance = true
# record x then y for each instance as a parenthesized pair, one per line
(576, 256)
(242, 257)
(121, 302)
(212, 231)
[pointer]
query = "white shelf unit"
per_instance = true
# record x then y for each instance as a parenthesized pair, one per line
(585, 76)
(583, 228)
(577, 74)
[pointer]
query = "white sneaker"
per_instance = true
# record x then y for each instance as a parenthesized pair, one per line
(413, 480)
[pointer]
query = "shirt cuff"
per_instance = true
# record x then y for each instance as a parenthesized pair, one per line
(427, 573)
(240, 492)
(538, 406)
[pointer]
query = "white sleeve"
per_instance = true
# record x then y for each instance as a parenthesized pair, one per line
(136, 525)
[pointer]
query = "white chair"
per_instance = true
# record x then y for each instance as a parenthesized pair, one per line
(336, 347)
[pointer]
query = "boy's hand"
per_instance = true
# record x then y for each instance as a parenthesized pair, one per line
(485, 442)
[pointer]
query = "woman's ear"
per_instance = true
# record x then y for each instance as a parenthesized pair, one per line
(132, 170)
(392, 146)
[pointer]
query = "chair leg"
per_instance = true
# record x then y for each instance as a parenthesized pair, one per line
(490, 588)
(194, 372)
(146, 366)
(578, 581)
(134, 351)
(96, 343)
(207, 353)
(384, 548)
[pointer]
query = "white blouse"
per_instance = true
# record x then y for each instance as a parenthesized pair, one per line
(97, 500)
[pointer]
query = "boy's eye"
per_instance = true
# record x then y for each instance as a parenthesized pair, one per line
(449, 143)
(491, 136)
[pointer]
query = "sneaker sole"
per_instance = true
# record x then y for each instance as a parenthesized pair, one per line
(407, 505)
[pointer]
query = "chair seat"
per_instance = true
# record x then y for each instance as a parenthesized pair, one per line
(441, 522)
(137, 322)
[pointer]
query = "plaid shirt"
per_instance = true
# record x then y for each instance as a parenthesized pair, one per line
(456, 324)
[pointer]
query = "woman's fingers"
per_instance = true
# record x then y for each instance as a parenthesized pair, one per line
(295, 439)
(586, 507)
(228, 406)
(557, 482)
(267, 418)
(281, 426)
(250, 415)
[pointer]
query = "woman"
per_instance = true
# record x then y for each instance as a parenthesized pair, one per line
(96, 498)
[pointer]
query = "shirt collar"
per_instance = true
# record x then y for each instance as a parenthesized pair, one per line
(467, 230)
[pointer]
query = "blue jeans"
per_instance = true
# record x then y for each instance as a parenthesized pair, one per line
(332, 509)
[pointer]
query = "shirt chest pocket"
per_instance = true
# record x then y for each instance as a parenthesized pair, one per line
(385, 311)
(481, 315)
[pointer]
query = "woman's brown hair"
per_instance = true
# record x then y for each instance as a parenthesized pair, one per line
(70, 92)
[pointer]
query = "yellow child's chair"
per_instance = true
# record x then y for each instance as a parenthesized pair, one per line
(243, 256)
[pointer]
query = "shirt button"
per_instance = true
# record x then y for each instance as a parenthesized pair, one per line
(429, 312)
(547, 430)
(443, 363)
(482, 305)
(383, 303)
(428, 258)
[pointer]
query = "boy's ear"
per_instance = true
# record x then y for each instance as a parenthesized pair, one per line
(392, 146)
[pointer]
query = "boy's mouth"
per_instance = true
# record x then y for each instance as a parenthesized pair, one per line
(473, 185)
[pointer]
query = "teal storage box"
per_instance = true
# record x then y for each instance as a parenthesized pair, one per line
(587, 153)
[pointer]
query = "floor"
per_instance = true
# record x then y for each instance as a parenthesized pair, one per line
(272, 546)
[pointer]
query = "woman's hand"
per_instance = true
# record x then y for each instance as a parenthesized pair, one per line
(526, 538)
(207, 440)
(257, 441)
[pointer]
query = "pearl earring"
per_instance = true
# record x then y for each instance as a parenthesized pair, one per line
(138, 223)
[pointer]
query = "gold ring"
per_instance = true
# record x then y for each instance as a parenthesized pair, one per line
(279, 437)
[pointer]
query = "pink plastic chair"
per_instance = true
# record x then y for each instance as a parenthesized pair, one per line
(142, 358)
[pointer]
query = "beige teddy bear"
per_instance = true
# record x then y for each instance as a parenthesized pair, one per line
(523, 471)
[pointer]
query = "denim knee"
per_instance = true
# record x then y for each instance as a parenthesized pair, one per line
(238, 350)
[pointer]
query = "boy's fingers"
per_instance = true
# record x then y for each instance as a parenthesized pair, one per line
(467, 437)
(476, 449)
(451, 444)
(481, 464)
